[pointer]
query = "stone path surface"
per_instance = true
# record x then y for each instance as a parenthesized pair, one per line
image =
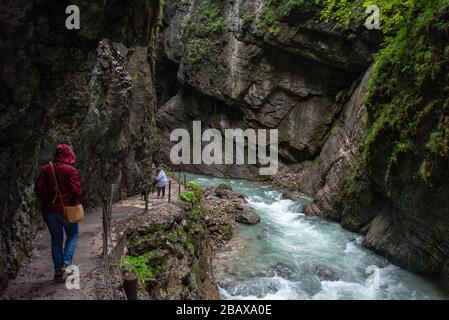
(35, 278)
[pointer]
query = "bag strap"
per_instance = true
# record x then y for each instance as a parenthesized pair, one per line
(58, 192)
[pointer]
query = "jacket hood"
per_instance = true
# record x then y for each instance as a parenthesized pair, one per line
(64, 153)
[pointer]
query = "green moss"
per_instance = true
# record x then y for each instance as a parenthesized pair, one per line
(227, 231)
(273, 11)
(201, 31)
(401, 99)
(335, 130)
(348, 13)
(248, 18)
(134, 76)
(350, 181)
(438, 143)
(425, 171)
(185, 293)
(408, 112)
(171, 236)
(190, 247)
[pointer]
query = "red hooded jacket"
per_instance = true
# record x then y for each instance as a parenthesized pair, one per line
(68, 181)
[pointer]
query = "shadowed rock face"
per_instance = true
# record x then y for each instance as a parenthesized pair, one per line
(325, 178)
(91, 88)
(397, 198)
(242, 76)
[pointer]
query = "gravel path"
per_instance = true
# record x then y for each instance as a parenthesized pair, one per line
(35, 278)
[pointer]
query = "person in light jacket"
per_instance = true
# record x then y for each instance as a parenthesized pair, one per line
(161, 181)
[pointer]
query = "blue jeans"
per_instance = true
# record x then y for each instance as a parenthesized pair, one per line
(56, 225)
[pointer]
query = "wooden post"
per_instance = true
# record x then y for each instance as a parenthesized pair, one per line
(169, 190)
(130, 282)
(105, 227)
(111, 202)
(146, 200)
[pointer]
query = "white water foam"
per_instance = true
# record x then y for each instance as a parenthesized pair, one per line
(297, 245)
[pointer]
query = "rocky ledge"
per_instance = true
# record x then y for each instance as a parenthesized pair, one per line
(171, 249)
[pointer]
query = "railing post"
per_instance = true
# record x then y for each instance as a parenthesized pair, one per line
(130, 284)
(146, 200)
(169, 190)
(111, 202)
(105, 227)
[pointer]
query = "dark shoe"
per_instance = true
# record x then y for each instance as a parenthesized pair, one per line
(59, 278)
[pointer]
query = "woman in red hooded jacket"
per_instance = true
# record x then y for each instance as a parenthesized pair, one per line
(70, 189)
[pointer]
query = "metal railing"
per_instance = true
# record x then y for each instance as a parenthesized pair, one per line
(128, 282)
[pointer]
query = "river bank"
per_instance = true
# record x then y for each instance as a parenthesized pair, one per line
(289, 255)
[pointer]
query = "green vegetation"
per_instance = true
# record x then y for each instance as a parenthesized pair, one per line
(134, 76)
(139, 266)
(439, 139)
(275, 10)
(408, 110)
(193, 195)
(408, 90)
(151, 263)
(335, 130)
(227, 231)
(187, 197)
(248, 18)
(352, 12)
(202, 30)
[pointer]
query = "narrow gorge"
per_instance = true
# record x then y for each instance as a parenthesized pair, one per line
(362, 117)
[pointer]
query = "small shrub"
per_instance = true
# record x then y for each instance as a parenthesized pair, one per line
(139, 266)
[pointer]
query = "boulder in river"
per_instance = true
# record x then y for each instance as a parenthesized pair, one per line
(325, 273)
(224, 191)
(282, 270)
(247, 216)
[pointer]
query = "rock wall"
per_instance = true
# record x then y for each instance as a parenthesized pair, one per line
(326, 177)
(400, 182)
(378, 168)
(383, 172)
(237, 69)
(92, 88)
(173, 252)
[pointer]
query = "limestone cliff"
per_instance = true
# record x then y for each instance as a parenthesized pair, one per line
(400, 182)
(379, 168)
(228, 64)
(383, 170)
(92, 88)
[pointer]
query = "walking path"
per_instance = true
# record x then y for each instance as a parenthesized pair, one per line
(35, 278)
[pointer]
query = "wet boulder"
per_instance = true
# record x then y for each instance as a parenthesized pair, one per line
(224, 191)
(247, 216)
(325, 273)
(282, 270)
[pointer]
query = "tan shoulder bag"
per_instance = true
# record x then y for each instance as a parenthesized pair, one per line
(72, 214)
